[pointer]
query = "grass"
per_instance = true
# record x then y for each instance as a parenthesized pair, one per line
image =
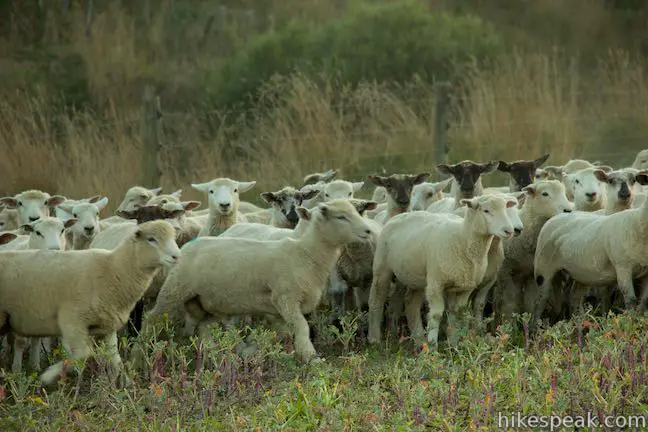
(589, 364)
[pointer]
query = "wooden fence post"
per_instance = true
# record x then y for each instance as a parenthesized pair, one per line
(441, 148)
(151, 116)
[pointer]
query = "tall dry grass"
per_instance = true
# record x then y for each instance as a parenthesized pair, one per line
(526, 105)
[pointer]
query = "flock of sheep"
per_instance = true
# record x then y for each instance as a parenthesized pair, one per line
(543, 244)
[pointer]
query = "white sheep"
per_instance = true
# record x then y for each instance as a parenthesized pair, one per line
(134, 197)
(323, 177)
(63, 215)
(641, 160)
(189, 226)
(543, 200)
(90, 292)
(288, 280)
(87, 223)
(594, 250)
(585, 189)
(424, 194)
(335, 189)
(440, 256)
(223, 199)
(32, 205)
(283, 204)
(46, 233)
(621, 187)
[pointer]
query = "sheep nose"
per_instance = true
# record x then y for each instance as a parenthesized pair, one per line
(88, 230)
(54, 248)
(508, 232)
(624, 195)
(591, 195)
(175, 257)
(367, 231)
(567, 211)
(518, 231)
(33, 219)
(224, 206)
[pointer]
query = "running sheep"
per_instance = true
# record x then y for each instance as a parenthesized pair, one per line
(288, 280)
(91, 291)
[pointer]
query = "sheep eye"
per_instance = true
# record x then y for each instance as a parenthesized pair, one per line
(430, 194)
(326, 195)
(577, 181)
(350, 193)
(342, 217)
(164, 201)
(235, 190)
(38, 233)
(63, 230)
(486, 211)
(545, 194)
(152, 240)
(74, 215)
(211, 191)
(19, 203)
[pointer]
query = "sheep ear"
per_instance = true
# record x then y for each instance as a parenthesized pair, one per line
(511, 203)
(369, 205)
(378, 180)
(245, 186)
(202, 187)
(303, 213)
(177, 193)
(357, 186)
(503, 166)
(93, 199)
(419, 178)
(605, 168)
(67, 208)
(27, 228)
(138, 233)
(642, 178)
(601, 175)
(329, 175)
(190, 205)
(7, 237)
(469, 203)
(488, 167)
(324, 210)
(102, 203)
(542, 159)
(438, 187)
(268, 197)
(55, 200)
(446, 169)
(68, 223)
(308, 194)
(10, 202)
(156, 191)
(530, 189)
(173, 214)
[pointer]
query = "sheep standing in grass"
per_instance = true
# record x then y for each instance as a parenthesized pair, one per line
(399, 192)
(522, 172)
(32, 205)
(87, 224)
(544, 200)
(336, 189)
(439, 256)
(223, 196)
(288, 280)
(283, 207)
(91, 291)
(46, 233)
(424, 194)
(594, 250)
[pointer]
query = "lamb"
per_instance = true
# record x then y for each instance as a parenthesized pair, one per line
(223, 194)
(521, 172)
(289, 278)
(91, 291)
(621, 187)
(399, 192)
(584, 189)
(336, 189)
(87, 225)
(594, 250)
(189, 226)
(424, 194)
(46, 233)
(544, 200)
(64, 216)
(283, 203)
(556, 172)
(134, 197)
(466, 176)
(441, 256)
(32, 205)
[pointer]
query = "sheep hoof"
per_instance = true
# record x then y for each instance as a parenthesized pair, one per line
(317, 360)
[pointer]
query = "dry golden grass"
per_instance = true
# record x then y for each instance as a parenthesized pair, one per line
(525, 106)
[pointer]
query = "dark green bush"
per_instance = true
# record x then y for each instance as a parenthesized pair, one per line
(389, 42)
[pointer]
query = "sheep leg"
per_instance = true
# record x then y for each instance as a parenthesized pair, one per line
(508, 296)
(577, 297)
(135, 319)
(19, 345)
(413, 304)
(377, 298)
(396, 305)
(479, 302)
(436, 306)
(116, 364)
(75, 341)
(35, 352)
(290, 311)
(624, 279)
(456, 302)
